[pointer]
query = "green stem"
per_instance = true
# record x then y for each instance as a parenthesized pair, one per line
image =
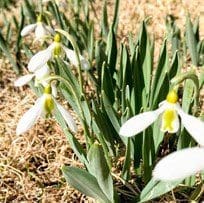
(192, 76)
(40, 7)
(76, 49)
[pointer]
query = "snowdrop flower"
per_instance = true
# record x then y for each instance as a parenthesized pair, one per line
(45, 106)
(41, 30)
(55, 49)
(169, 110)
(180, 165)
(40, 75)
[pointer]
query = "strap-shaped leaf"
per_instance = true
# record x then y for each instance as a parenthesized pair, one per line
(107, 83)
(84, 182)
(191, 41)
(160, 78)
(30, 11)
(146, 57)
(110, 112)
(111, 51)
(5, 49)
(76, 146)
(127, 163)
(99, 168)
(156, 188)
(175, 66)
(138, 80)
(104, 22)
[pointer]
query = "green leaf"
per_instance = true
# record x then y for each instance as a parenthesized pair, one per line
(91, 42)
(110, 112)
(148, 153)
(191, 41)
(111, 51)
(138, 81)
(127, 163)
(29, 8)
(116, 15)
(99, 168)
(107, 83)
(156, 188)
(146, 57)
(159, 90)
(175, 66)
(75, 145)
(5, 49)
(105, 127)
(184, 137)
(104, 23)
(84, 182)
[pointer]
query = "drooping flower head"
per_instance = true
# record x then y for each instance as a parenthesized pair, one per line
(40, 29)
(45, 106)
(169, 111)
(40, 76)
(56, 49)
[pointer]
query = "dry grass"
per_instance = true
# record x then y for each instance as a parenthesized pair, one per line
(30, 164)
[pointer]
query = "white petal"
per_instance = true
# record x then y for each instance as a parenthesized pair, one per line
(27, 29)
(71, 55)
(23, 80)
(180, 164)
(42, 72)
(54, 89)
(40, 31)
(84, 63)
(39, 59)
(30, 117)
(49, 29)
(67, 117)
(45, 1)
(193, 125)
(139, 122)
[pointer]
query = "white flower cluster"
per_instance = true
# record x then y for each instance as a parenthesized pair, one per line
(182, 163)
(40, 71)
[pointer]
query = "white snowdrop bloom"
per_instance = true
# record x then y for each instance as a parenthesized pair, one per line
(169, 110)
(44, 106)
(41, 30)
(40, 75)
(55, 49)
(180, 165)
